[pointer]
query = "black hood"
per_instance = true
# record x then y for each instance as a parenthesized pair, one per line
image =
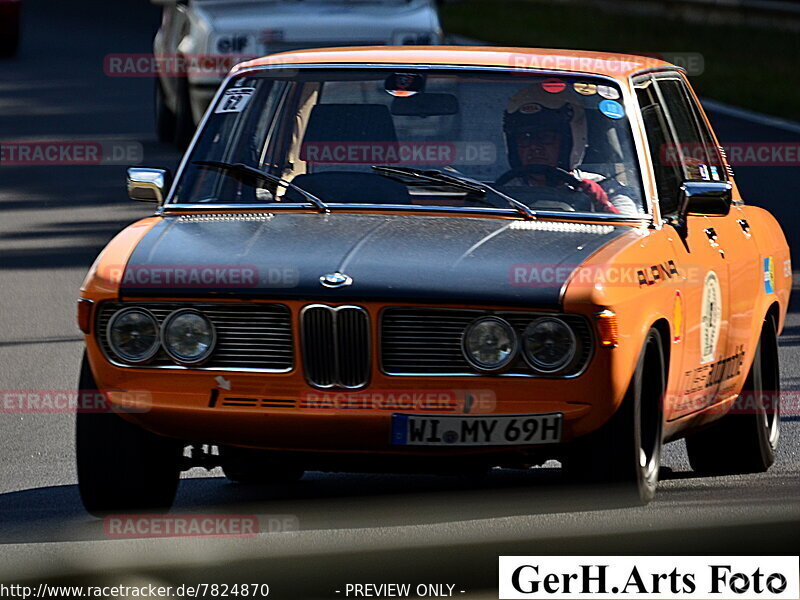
(388, 257)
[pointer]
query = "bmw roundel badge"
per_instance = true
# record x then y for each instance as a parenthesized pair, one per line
(336, 280)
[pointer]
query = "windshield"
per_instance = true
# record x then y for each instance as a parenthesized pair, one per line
(425, 138)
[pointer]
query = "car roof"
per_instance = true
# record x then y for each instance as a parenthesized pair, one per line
(616, 66)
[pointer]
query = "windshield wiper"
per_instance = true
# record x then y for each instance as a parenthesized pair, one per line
(244, 169)
(458, 181)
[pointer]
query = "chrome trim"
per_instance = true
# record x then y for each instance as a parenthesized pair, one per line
(476, 210)
(211, 347)
(237, 72)
(532, 363)
(201, 369)
(154, 350)
(146, 185)
(226, 217)
(641, 141)
(647, 70)
(514, 338)
(334, 310)
(592, 341)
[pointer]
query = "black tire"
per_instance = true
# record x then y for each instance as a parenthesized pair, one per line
(242, 465)
(625, 454)
(122, 467)
(166, 122)
(184, 119)
(745, 440)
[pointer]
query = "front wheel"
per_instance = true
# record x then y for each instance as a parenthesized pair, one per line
(745, 440)
(122, 467)
(625, 454)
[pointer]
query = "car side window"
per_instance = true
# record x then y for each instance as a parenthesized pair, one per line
(681, 146)
(713, 154)
(699, 156)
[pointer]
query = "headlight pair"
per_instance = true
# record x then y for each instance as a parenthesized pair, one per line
(490, 344)
(186, 335)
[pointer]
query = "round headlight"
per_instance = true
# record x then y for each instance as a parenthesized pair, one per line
(132, 334)
(489, 344)
(188, 336)
(549, 344)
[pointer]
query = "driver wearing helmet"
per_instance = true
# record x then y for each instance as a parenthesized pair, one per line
(546, 140)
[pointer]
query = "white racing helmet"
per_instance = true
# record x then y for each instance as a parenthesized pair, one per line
(533, 108)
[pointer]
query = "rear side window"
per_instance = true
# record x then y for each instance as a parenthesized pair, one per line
(680, 143)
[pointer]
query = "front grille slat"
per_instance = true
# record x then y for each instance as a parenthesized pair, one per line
(336, 346)
(248, 335)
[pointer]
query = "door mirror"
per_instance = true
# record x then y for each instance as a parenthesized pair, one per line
(148, 185)
(705, 198)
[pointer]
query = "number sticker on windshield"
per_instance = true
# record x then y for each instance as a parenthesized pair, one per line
(234, 100)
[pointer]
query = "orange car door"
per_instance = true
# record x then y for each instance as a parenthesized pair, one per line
(703, 300)
(746, 269)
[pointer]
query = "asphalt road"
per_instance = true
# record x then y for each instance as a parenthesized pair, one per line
(53, 221)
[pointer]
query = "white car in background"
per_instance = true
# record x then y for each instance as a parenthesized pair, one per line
(200, 39)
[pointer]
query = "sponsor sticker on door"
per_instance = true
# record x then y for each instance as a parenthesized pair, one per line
(710, 318)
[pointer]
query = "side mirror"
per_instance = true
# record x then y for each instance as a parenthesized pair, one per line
(705, 198)
(148, 185)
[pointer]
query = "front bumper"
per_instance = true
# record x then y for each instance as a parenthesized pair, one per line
(281, 412)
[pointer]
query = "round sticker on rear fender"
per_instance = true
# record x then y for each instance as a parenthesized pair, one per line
(710, 318)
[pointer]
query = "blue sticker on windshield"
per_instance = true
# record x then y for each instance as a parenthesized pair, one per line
(612, 109)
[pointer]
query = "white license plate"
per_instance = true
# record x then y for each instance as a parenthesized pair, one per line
(499, 430)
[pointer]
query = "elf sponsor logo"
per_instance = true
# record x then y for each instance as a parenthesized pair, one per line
(652, 577)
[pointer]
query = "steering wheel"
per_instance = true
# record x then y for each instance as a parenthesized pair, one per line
(550, 173)
(561, 177)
